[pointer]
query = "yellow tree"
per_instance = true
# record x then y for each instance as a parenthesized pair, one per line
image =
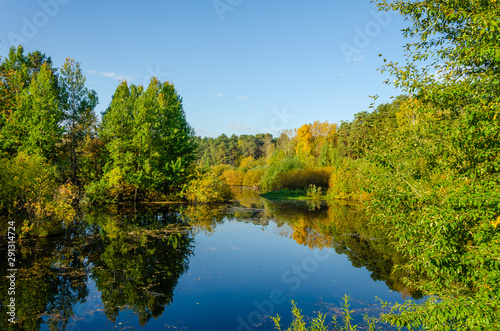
(305, 145)
(312, 138)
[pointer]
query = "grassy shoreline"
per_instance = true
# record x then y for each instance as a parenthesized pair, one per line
(290, 195)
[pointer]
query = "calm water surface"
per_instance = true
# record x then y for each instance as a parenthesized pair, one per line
(203, 268)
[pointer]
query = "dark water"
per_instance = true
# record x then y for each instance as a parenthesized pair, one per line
(187, 267)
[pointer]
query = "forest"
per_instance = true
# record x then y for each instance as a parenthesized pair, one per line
(425, 167)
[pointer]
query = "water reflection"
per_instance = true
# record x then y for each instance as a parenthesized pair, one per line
(341, 226)
(51, 279)
(135, 258)
(345, 228)
(137, 261)
(202, 218)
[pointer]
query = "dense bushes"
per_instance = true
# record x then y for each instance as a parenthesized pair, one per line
(111, 187)
(278, 166)
(302, 179)
(28, 183)
(207, 188)
(233, 177)
(254, 177)
(282, 173)
(219, 169)
(248, 163)
(351, 180)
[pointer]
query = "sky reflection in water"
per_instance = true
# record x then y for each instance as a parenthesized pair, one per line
(206, 268)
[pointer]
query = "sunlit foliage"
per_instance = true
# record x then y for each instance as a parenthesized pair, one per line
(28, 186)
(253, 177)
(207, 188)
(302, 179)
(149, 142)
(233, 177)
(437, 193)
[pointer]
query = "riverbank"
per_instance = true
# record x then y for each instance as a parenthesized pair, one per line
(291, 195)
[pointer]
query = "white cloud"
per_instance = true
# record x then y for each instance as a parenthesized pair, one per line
(242, 97)
(238, 126)
(107, 74)
(110, 75)
(115, 76)
(220, 94)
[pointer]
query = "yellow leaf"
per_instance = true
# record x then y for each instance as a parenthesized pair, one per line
(496, 223)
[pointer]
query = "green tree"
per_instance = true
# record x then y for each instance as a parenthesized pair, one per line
(38, 119)
(78, 104)
(30, 138)
(151, 146)
(437, 194)
(29, 112)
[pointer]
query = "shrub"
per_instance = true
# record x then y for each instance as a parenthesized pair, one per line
(314, 192)
(298, 323)
(277, 167)
(351, 180)
(253, 177)
(319, 324)
(302, 179)
(233, 177)
(207, 188)
(110, 188)
(28, 185)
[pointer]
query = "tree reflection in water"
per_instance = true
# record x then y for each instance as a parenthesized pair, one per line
(136, 258)
(50, 280)
(137, 261)
(345, 228)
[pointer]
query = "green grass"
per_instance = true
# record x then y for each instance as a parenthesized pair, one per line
(289, 195)
(286, 195)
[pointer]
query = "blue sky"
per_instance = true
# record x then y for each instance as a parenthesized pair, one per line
(241, 66)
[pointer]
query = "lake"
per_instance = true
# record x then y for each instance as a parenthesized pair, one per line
(201, 267)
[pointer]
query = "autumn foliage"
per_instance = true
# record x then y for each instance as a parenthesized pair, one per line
(254, 177)
(233, 177)
(302, 179)
(207, 188)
